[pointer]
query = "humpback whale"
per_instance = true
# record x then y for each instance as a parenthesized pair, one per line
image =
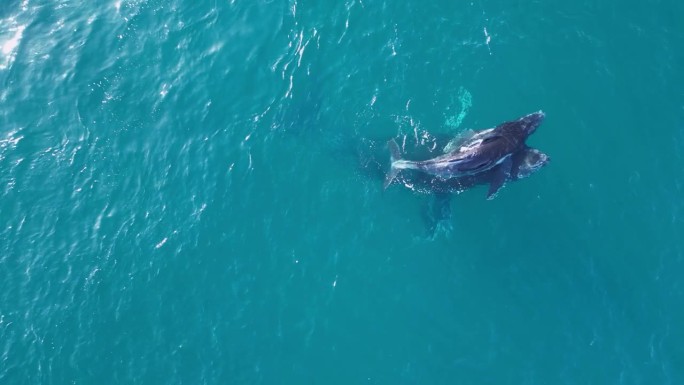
(373, 164)
(437, 215)
(523, 164)
(490, 149)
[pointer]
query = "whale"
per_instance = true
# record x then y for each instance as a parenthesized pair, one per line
(372, 163)
(437, 215)
(478, 152)
(524, 163)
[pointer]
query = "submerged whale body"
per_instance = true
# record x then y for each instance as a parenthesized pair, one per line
(485, 150)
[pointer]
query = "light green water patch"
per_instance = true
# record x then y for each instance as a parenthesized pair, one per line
(465, 101)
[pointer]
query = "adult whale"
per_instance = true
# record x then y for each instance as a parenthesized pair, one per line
(485, 150)
(437, 213)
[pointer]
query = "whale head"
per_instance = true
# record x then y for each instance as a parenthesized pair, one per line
(528, 124)
(532, 161)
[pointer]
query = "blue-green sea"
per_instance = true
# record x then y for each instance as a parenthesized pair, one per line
(191, 192)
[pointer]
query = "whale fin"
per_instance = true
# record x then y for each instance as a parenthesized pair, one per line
(500, 174)
(395, 155)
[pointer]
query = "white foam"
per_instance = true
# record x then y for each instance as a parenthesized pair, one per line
(11, 139)
(8, 48)
(488, 39)
(161, 243)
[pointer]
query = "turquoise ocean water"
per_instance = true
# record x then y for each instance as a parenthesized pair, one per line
(182, 200)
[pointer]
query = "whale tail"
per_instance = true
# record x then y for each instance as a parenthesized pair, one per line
(395, 155)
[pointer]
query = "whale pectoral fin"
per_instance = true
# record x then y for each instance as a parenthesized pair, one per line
(500, 174)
